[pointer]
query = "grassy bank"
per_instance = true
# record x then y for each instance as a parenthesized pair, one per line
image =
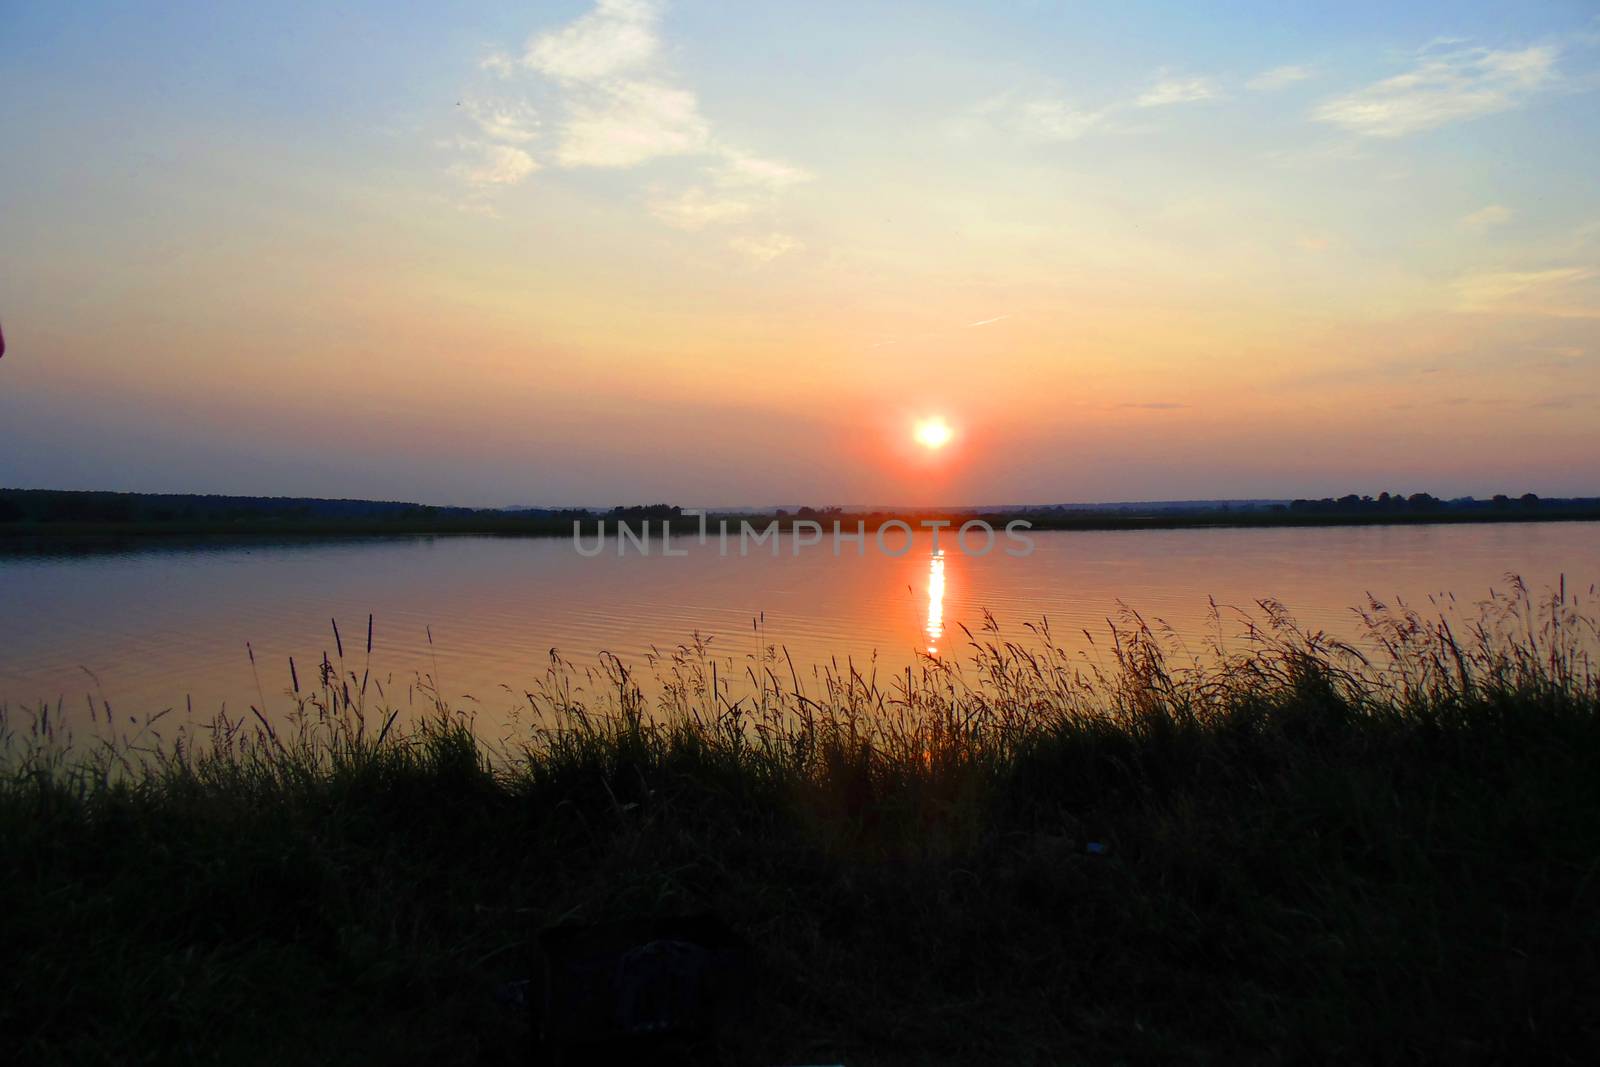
(1281, 850)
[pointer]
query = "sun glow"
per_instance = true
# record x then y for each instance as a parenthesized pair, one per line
(933, 433)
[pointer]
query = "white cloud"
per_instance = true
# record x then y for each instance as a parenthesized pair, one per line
(1441, 89)
(1485, 217)
(498, 64)
(496, 164)
(1043, 120)
(743, 184)
(631, 122)
(696, 209)
(737, 168)
(1053, 120)
(1178, 91)
(616, 36)
(1278, 77)
(621, 107)
(764, 249)
(620, 110)
(509, 121)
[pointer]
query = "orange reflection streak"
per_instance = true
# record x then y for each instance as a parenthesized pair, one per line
(935, 627)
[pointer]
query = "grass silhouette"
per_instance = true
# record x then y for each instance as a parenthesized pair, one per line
(1280, 848)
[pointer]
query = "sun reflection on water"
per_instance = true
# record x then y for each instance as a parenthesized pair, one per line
(935, 627)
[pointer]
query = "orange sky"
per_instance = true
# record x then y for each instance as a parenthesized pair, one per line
(601, 255)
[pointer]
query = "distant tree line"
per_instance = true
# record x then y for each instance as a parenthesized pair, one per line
(48, 511)
(642, 513)
(1352, 504)
(52, 506)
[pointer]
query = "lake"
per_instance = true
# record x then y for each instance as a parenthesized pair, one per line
(160, 625)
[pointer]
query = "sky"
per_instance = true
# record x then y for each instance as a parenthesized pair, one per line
(707, 253)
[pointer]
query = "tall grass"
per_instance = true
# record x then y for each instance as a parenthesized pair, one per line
(1278, 846)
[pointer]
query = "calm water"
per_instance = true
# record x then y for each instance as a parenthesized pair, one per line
(151, 628)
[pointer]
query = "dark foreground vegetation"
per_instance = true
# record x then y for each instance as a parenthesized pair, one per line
(48, 517)
(1277, 851)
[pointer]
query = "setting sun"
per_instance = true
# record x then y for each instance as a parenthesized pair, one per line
(933, 433)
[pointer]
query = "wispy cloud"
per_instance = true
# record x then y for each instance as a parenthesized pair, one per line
(987, 322)
(738, 169)
(513, 122)
(498, 64)
(1558, 293)
(1034, 119)
(1170, 90)
(1278, 77)
(766, 248)
(616, 36)
(495, 164)
(1485, 217)
(620, 107)
(695, 209)
(1154, 405)
(1053, 120)
(1441, 89)
(740, 186)
(625, 123)
(623, 108)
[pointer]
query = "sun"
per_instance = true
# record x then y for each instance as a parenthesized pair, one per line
(933, 433)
